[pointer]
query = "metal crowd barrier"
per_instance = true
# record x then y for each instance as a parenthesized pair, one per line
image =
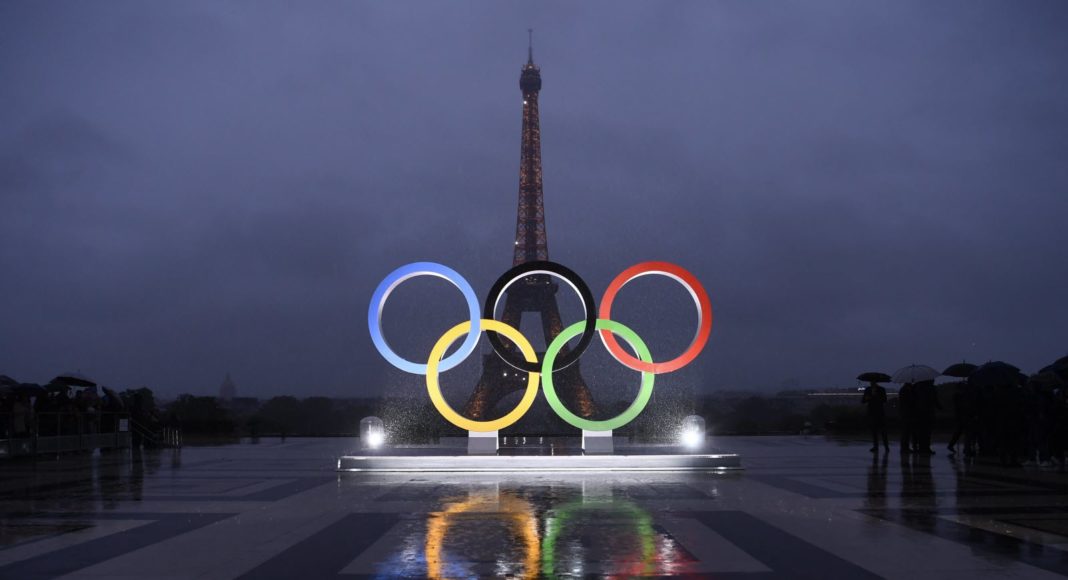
(59, 432)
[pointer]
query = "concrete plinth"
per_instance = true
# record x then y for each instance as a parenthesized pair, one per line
(597, 442)
(482, 442)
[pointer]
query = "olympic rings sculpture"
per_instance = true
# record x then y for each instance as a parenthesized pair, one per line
(524, 358)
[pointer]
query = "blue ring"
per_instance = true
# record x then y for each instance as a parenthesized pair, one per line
(386, 286)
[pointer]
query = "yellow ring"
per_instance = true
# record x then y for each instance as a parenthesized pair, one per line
(434, 389)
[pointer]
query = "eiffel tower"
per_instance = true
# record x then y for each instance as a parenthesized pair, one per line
(535, 293)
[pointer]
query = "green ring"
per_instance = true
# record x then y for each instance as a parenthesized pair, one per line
(635, 408)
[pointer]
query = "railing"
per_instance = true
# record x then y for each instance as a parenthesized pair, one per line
(172, 437)
(165, 437)
(29, 433)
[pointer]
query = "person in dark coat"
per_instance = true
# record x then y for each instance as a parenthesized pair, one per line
(1010, 423)
(875, 399)
(1038, 411)
(906, 407)
(966, 410)
(927, 406)
(1059, 420)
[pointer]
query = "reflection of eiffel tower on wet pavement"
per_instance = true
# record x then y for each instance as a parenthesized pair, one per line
(534, 293)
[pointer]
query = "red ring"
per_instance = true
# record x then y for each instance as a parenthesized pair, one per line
(700, 297)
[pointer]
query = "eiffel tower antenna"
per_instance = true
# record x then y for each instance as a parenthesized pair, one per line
(530, 46)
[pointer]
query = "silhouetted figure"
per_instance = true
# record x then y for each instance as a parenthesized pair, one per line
(1009, 409)
(1059, 430)
(112, 406)
(927, 406)
(906, 407)
(139, 419)
(21, 416)
(6, 403)
(966, 410)
(254, 429)
(45, 424)
(875, 399)
(69, 418)
(1038, 410)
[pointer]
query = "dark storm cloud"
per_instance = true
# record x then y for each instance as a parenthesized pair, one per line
(189, 189)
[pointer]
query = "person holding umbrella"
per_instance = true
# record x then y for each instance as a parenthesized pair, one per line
(906, 410)
(1005, 382)
(927, 406)
(965, 408)
(909, 400)
(875, 399)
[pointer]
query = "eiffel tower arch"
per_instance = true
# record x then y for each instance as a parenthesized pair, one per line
(533, 294)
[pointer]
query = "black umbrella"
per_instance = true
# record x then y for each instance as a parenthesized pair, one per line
(6, 381)
(961, 370)
(874, 377)
(29, 389)
(1048, 380)
(1059, 366)
(56, 387)
(995, 374)
(74, 380)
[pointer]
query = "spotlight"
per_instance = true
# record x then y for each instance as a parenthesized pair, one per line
(372, 433)
(692, 433)
(691, 438)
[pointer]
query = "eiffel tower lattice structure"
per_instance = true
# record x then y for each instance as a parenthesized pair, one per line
(535, 293)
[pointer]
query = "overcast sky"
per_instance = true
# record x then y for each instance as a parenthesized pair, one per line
(189, 189)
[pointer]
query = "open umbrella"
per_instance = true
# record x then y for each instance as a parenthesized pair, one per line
(31, 389)
(995, 374)
(56, 387)
(74, 380)
(961, 370)
(7, 384)
(915, 374)
(1048, 380)
(874, 377)
(1059, 366)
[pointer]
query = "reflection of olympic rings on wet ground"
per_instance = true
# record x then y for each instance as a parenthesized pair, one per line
(520, 517)
(539, 554)
(556, 523)
(523, 357)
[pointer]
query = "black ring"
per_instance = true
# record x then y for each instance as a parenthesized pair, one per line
(530, 269)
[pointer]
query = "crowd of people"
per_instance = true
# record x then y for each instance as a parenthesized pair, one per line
(917, 406)
(1024, 423)
(1015, 419)
(60, 409)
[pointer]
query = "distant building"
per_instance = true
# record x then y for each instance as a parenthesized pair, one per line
(228, 390)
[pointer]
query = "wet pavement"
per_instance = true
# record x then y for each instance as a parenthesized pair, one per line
(803, 508)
